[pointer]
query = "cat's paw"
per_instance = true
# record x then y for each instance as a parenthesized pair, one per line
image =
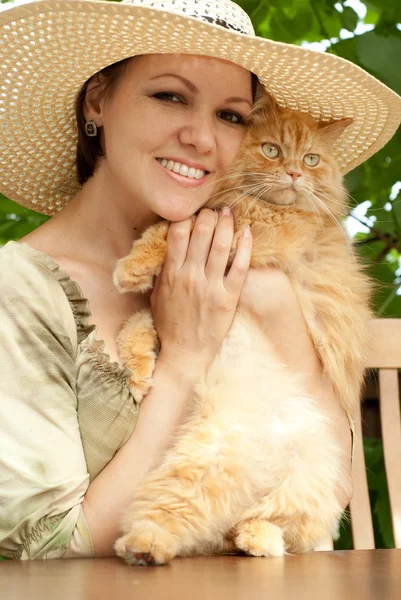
(139, 386)
(132, 276)
(141, 378)
(258, 537)
(146, 545)
(138, 345)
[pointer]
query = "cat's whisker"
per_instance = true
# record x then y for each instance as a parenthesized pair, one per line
(256, 198)
(332, 217)
(336, 188)
(342, 212)
(239, 176)
(315, 190)
(239, 187)
(247, 193)
(349, 198)
(314, 209)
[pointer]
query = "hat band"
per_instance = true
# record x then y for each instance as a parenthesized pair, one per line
(221, 22)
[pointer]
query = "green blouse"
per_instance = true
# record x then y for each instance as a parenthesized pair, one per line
(65, 408)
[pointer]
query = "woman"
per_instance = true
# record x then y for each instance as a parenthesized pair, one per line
(73, 446)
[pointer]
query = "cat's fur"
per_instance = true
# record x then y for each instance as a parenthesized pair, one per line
(256, 466)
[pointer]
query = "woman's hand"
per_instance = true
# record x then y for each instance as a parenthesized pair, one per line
(193, 301)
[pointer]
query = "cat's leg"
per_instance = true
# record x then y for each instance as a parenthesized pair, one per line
(257, 536)
(302, 507)
(138, 345)
(135, 272)
(291, 518)
(188, 503)
(265, 531)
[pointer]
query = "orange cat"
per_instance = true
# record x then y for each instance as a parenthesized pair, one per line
(256, 466)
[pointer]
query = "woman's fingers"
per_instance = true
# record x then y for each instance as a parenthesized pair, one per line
(201, 239)
(239, 268)
(177, 244)
(207, 249)
(220, 251)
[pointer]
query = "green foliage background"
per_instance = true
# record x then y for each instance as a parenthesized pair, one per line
(378, 51)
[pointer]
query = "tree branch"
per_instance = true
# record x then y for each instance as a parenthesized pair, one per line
(384, 237)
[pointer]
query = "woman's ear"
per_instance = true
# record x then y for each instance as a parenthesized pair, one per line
(331, 131)
(94, 99)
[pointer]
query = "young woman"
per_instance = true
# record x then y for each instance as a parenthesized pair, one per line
(73, 445)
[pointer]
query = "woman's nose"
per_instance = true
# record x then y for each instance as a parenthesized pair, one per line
(200, 133)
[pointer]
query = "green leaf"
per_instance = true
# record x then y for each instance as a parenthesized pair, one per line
(389, 9)
(349, 18)
(371, 17)
(381, 54)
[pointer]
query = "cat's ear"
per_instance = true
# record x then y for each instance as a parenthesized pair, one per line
(330, 132)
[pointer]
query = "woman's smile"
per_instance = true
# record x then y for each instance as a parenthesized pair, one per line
(185, 173)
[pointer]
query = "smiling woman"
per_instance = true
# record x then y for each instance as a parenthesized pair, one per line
(89, 148)
(159, 111)
(160, 90)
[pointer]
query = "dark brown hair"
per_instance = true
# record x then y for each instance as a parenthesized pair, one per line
(89, 149)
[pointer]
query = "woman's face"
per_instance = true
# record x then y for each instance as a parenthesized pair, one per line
(172, 126)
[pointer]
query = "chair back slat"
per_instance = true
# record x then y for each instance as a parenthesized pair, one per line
(385, 352)
(361, 516)
(391, 433)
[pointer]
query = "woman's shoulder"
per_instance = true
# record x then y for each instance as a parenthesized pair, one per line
(33, 284)
(17, 258)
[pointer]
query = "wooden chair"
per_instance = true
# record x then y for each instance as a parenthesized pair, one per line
(386, 357)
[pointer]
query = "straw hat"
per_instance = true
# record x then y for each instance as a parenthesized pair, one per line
(51, 47)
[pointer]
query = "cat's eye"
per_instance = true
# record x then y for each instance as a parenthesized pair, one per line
(271, 150)
(311, 160)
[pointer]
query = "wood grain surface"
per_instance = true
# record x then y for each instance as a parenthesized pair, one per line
(341, 575)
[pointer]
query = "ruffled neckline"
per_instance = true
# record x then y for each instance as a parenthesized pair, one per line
(79, 304)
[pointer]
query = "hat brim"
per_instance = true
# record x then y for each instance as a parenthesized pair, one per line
(49, 49)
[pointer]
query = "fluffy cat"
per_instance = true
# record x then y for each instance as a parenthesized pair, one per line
(256, 466)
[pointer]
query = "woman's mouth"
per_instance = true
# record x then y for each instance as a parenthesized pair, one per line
(182, 172)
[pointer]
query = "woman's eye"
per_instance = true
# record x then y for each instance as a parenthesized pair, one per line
(169, 96)
(231, 117)
(271, 150)
(311, 160)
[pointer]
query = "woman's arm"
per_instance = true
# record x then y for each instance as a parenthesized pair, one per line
(162, 411)
(270, 299)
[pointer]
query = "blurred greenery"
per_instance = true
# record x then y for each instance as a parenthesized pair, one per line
(367, 33)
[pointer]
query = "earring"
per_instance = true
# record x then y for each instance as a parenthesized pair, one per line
(91, 128)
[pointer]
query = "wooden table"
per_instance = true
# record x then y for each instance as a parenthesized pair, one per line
(348, 575)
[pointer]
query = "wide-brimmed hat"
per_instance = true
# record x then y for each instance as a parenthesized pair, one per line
(50, 48)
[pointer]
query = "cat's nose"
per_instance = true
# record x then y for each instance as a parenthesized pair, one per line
(294, 174)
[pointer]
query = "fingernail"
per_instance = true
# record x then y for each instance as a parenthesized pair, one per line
(226, 211)
(247, 232)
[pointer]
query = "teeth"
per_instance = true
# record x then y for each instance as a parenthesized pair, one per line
(182, 169)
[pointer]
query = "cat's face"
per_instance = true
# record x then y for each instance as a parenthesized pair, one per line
(286, 159)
